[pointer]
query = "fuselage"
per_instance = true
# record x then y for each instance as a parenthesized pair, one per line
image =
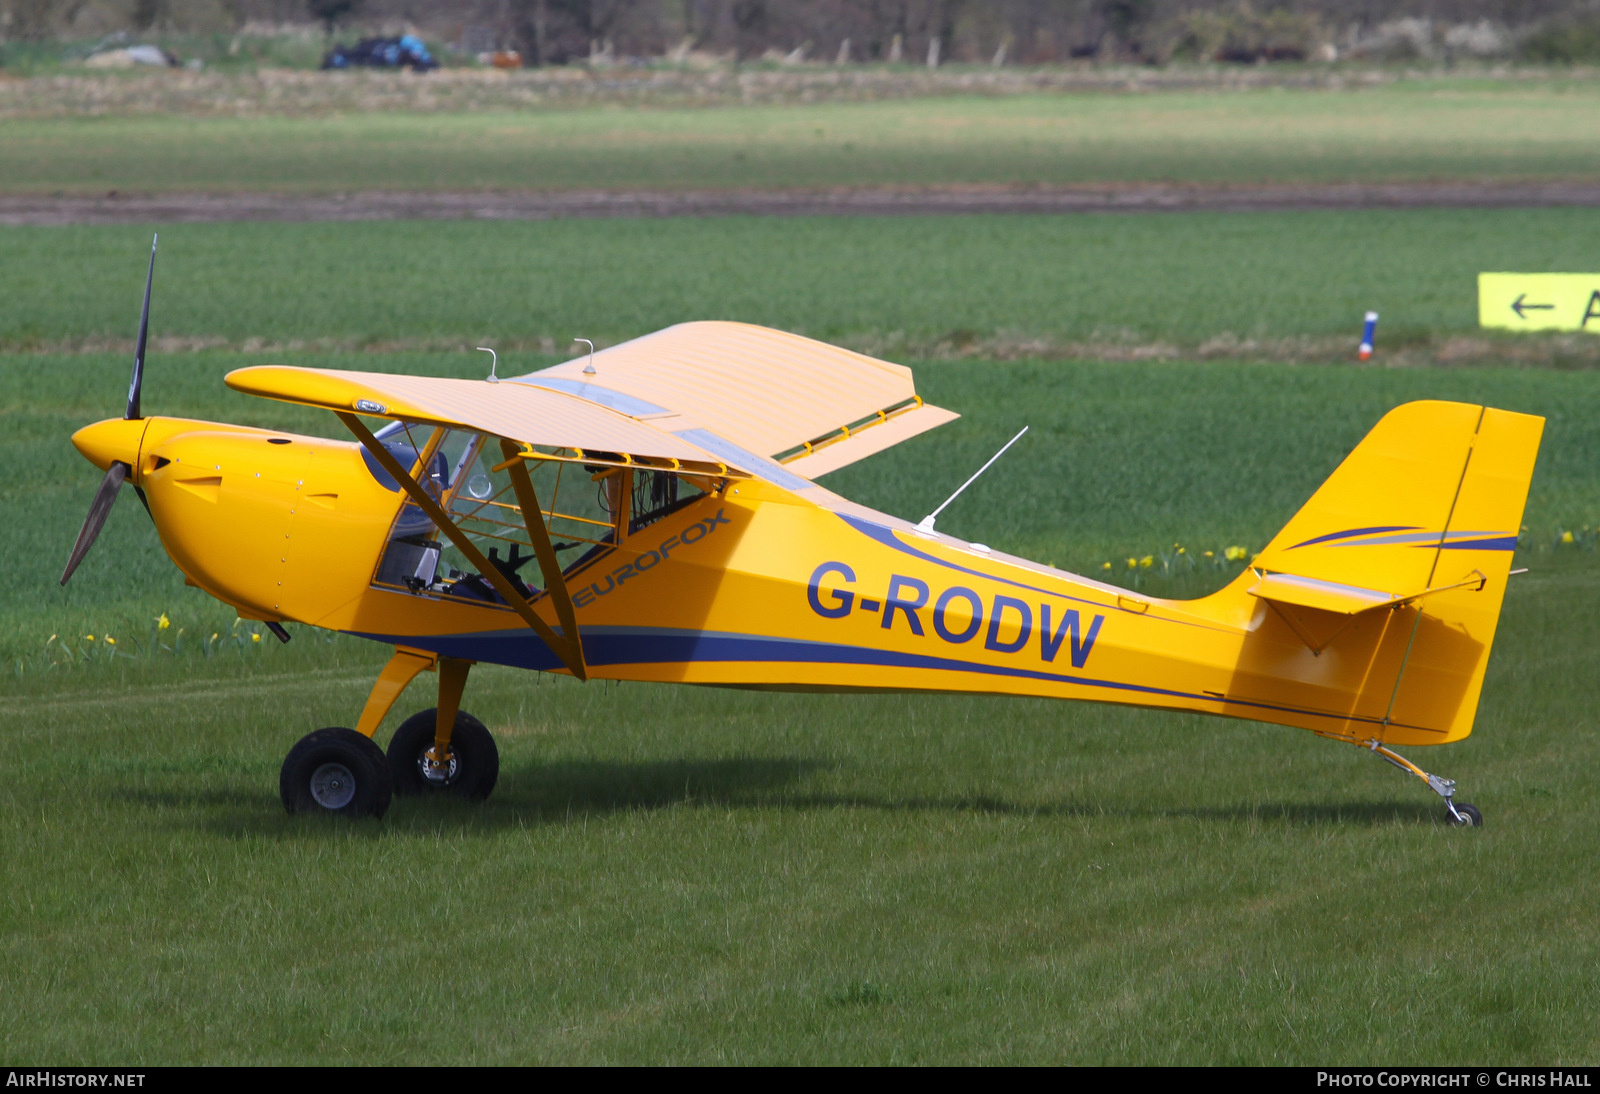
(749, 585)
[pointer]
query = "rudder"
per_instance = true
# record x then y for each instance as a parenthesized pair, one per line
(1394, 572)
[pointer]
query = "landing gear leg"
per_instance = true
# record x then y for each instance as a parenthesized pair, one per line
(404, 667)
(1462, 815)
(445, 750)
(452, 682)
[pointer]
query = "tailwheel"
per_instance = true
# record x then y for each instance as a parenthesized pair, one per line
(469, 768)
(336, 771)
(1460, 814)
(1463, 815)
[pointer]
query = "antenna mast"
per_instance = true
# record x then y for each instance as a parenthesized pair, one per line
(926, 523)
(588, 370)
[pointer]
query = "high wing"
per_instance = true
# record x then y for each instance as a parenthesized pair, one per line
(522, 416)
(518, 412)
(811, 407)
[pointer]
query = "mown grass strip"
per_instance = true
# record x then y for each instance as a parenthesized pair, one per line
(696, 875)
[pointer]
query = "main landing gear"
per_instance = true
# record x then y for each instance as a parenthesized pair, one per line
(1461, 814)
(442, 751)
(470, 766)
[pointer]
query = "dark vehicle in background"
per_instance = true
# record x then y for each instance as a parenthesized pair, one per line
(407, 51)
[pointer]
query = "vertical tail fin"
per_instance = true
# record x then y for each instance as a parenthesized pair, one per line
(1390, 579)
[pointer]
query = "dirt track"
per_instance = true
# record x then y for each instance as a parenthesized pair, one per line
(197, 208)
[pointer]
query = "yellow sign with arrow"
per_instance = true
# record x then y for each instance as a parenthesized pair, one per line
(1540, 301)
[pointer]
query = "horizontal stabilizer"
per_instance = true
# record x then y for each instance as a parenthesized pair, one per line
(1327, 596)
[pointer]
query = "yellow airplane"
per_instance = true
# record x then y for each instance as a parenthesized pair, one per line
(663, 491)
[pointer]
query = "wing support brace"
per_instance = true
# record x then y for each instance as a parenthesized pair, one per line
(544, 551)
(568, 646)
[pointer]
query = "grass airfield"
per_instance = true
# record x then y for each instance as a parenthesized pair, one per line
(685, 876)
(701, 876)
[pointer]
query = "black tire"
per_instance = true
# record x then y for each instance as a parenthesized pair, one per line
(474, 759)
(336, 771)
(1470, 816)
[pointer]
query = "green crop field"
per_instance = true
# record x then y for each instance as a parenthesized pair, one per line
(698, 875)
(1421, 130)
(1209, 284)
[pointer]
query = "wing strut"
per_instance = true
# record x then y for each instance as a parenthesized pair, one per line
(568, 647)
(543, 549)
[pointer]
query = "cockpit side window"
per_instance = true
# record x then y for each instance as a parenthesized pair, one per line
(587, 508)
(397, 437)
(656, 494)
(448, 452)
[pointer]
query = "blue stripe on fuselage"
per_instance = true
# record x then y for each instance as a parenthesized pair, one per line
(654, 646)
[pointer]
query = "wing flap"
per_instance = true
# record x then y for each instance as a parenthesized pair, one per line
(869, 440)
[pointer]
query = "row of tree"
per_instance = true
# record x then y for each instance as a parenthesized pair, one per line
(915, 31)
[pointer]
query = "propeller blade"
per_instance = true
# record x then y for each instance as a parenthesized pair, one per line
(136, 385)
(99, 509)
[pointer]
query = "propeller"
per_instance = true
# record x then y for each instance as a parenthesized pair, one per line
(137, 383)
(99, 509)
(106, 495)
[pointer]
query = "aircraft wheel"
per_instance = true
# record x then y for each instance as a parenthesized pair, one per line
(338, 771)
(1469, 814)
(474, 764)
